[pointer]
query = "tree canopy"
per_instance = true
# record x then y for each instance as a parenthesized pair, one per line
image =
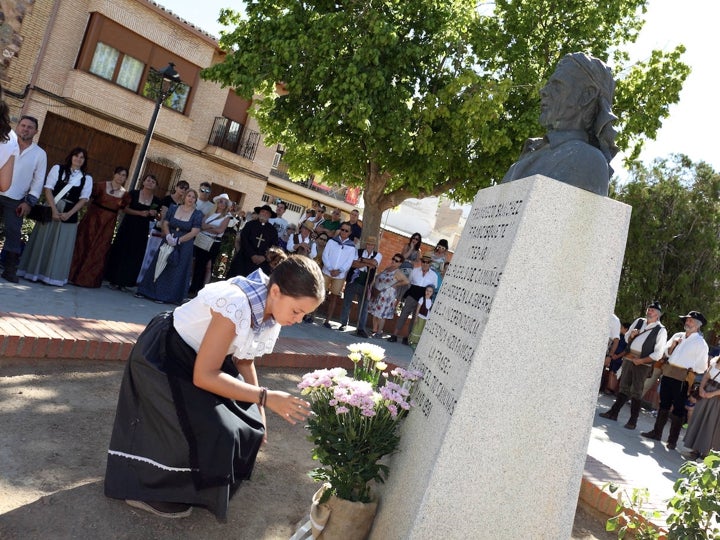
(412, 98)
(673, 246)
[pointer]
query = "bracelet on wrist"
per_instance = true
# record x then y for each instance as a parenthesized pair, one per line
(263, 396)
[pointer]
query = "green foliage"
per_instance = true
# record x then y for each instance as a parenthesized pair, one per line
(355, 421)
(632, 517)
(695, 508)
(673, 246)
(418, 97)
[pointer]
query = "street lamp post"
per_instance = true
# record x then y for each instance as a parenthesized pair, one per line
(168, 81)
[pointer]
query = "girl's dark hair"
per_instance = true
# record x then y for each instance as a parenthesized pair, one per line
(300, 277)
(5, 126)
(275, 256)
(150, 175)
(410, 240)
(74, 152)
(442, 242)
(120, 169)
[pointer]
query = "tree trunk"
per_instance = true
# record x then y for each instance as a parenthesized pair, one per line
(375, 201)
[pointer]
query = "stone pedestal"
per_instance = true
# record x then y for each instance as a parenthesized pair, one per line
(512, 355)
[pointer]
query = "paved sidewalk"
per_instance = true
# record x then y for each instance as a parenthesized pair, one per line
(39, 321)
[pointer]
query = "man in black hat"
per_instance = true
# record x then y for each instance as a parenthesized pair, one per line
(686, 352)
(254, 240)
(646, 340)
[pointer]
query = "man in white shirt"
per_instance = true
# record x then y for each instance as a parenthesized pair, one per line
(420, 278)
(27, 183)
(646, 340)
(337, 258)
(686, 352)
(361, 275)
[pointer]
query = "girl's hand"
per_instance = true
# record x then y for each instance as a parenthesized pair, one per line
(291, 408)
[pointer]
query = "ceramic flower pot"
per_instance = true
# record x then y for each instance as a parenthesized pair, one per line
(339, 519)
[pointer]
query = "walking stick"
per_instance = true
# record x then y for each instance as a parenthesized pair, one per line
(363, 299)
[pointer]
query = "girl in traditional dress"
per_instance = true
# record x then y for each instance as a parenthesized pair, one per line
(48, 254)
(191, 415)
(703, 432)
(141, 207)
(96, 230)
(180, 226)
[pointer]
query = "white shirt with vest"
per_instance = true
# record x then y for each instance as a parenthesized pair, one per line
(645, 330)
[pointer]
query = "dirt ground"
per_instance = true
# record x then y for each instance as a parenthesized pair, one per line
(55, 422)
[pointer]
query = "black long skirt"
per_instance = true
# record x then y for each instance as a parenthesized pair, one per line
(171, 440)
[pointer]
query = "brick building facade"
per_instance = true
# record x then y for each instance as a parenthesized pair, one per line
(62, 74)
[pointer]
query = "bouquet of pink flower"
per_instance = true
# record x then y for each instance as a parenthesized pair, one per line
(355, 420)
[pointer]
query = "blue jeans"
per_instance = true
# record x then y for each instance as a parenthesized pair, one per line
(351, 291)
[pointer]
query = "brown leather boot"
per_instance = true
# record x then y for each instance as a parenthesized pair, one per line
(612, 413)
(660, 421)
(635, 405)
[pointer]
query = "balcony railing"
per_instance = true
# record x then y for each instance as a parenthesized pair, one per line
(233, 136)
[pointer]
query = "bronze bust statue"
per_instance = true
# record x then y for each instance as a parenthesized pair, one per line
(575, 108)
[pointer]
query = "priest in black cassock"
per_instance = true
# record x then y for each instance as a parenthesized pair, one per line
(254, 240)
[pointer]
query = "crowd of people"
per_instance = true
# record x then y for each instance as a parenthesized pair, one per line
(640, 354)
(164, 249)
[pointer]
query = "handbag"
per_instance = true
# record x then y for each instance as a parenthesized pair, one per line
(203, 241)
(42, 213)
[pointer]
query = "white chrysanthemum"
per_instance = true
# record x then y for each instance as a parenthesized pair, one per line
(374, 352)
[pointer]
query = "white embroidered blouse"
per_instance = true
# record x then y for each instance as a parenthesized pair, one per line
(192, 319)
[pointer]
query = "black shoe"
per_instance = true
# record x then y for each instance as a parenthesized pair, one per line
(362, 334)
(609, 415)
(327, 325)
(308, 319)
(405, 341)
(139, 295)
(392, 339)
(342, 328)
(163, 509)
(671, 446)
(650, 435)
(630, 425)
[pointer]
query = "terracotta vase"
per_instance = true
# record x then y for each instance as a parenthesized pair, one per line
(339, 519)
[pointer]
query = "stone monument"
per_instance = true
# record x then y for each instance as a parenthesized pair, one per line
(512, 356)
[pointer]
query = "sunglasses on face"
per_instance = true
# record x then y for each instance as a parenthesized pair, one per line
(204, 190)
(397, 260)
(345, 230)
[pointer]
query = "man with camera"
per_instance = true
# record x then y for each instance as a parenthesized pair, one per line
(302, 243)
